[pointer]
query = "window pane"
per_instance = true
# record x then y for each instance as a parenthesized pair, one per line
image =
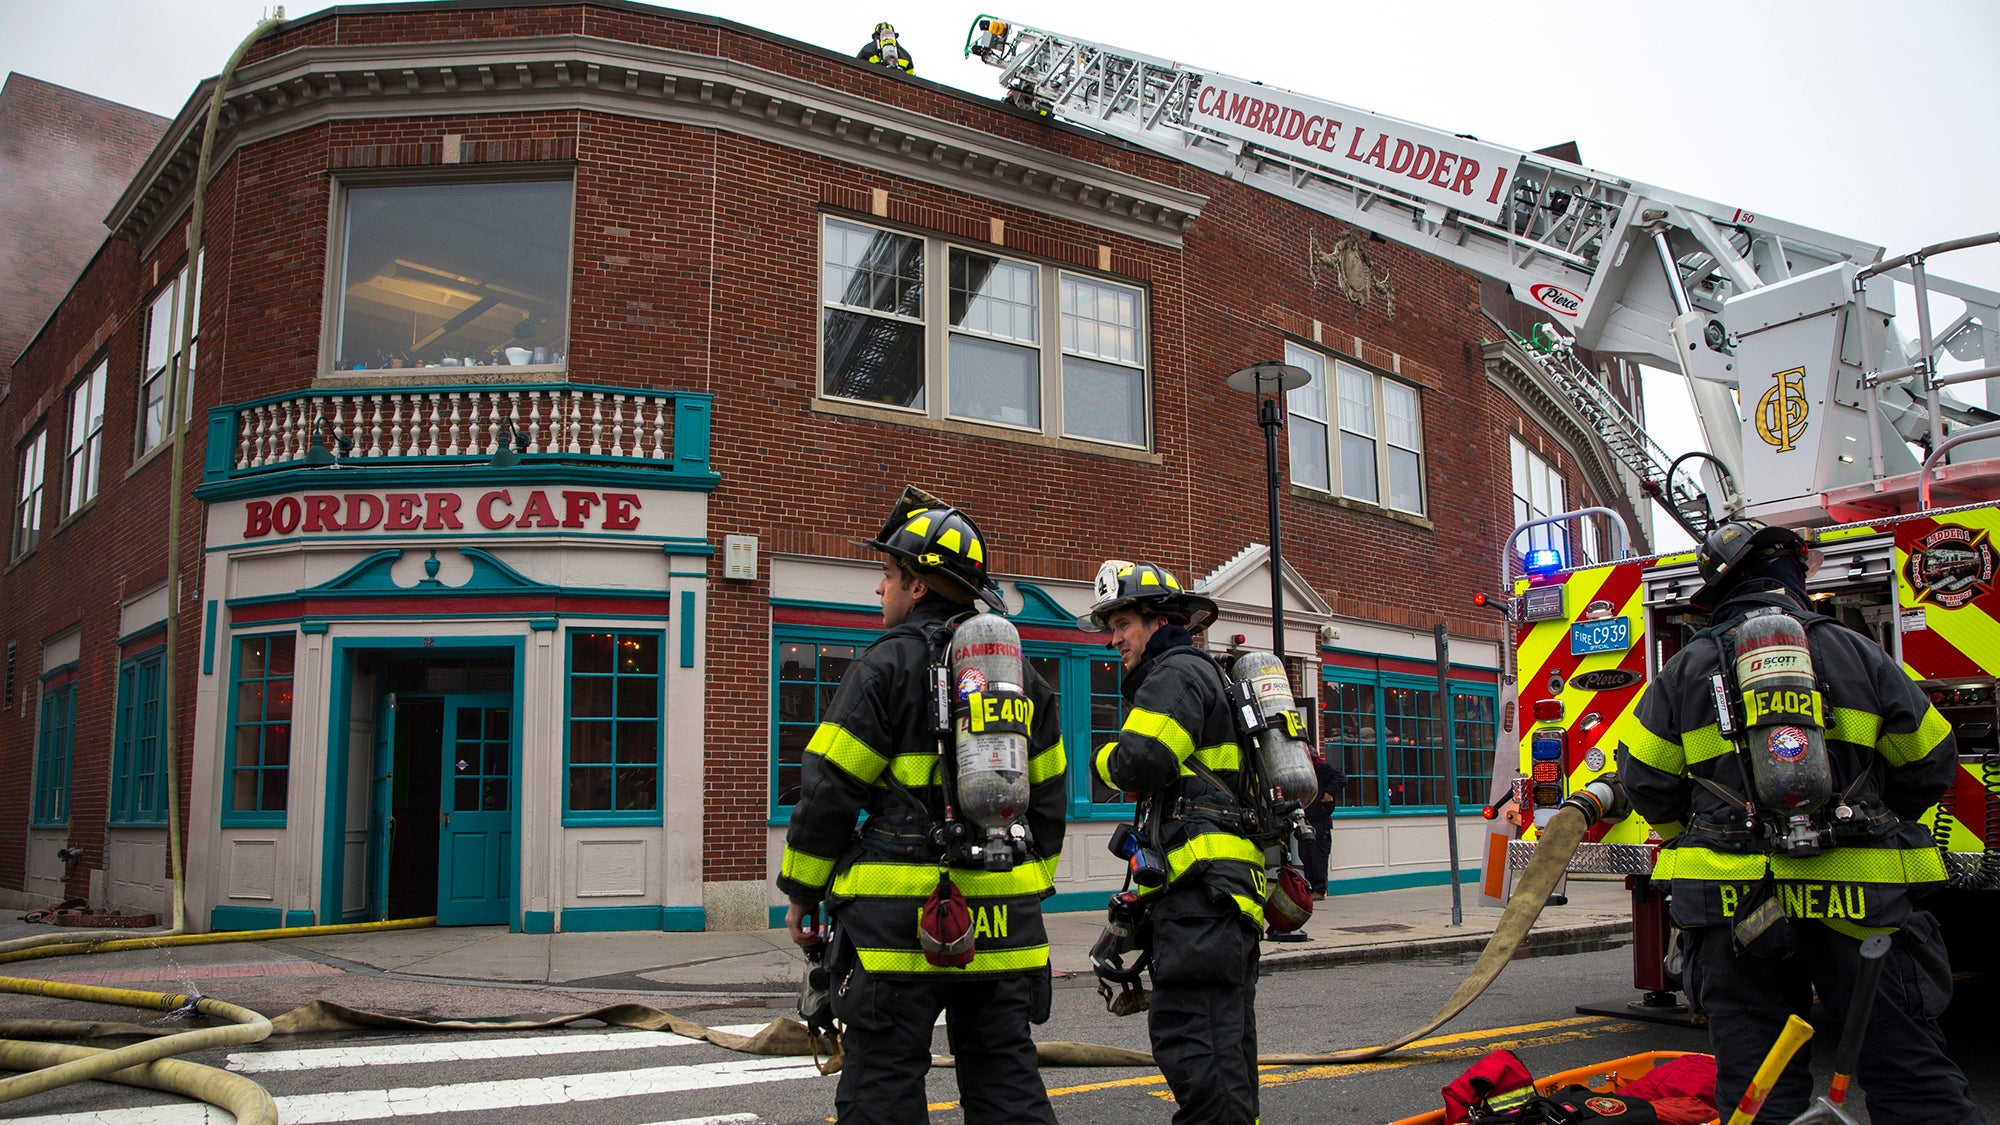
(1357, 468)
(590, 652)
(639, 655)
(873, 359)
(1101, 320)
(638, 743)
(638, 697)
(589, 742)
(1399, 408)
(1104, 402)
(878, 270)
(1406, 491)
(589, 790)
(1357, 401)
(431, 271)
(1308, 442)
(994, 297)
(995, 382)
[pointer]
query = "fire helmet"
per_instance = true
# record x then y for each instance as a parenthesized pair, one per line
(1289, 905)
(882, 27)
(1737, 547)
(1122, 584)
(941, 544)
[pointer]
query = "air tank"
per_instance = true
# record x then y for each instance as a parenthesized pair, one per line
(991, 717)
(1282, 761)
(1783, 725)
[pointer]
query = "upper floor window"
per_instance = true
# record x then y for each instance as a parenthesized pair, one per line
(1538, 494)
(163, 351)
(453, 275)
(31, 473)
(1356, 434)
(86, 438)
(990, 360)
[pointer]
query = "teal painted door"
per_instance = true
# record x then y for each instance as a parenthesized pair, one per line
(382, 809)
(476, 815)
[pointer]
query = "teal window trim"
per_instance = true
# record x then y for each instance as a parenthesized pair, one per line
(138, 769)
(615, 679)
(259, 728)
(1073, 682)
(1366, 750)
(55, 743)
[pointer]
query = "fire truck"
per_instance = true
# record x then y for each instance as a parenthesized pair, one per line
(1820, 410)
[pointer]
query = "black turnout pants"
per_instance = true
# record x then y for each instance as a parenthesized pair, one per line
(887, 1025)
(1203, 1017)
(1904, 1070)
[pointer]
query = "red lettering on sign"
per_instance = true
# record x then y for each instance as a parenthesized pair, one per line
(363, 511)
(441, 511)
(402, 511)
(322, 513)
(537, 513)
(1354, 146)
(576, 507)
(487, 519)
(285, 515)
(1400, 162)
(1442, 177)
(256, 519)
(618, 511)
(1468, 172)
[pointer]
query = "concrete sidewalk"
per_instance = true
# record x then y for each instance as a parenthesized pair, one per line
(1375, 926)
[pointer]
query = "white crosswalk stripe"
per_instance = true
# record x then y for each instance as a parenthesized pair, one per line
(474, 1097)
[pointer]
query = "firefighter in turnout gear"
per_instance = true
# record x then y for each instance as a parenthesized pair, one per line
(876, 752)
(885, 50)
(1178, 750)
(1767, 919)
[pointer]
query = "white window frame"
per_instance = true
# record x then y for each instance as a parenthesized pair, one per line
(1329, 407)
(83, 462)
(163, 349)
(32, 473)
(1068, 344)
(1539, 492)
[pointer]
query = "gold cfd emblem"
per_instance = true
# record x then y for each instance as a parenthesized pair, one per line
(1781, 412)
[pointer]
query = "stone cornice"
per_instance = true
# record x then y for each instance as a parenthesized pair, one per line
(312, 85)
(1520, 377)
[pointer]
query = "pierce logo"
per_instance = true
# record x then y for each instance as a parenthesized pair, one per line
(1557, 299)
(1952, 566)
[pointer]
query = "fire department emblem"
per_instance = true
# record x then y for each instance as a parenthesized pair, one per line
(1788, 744)
(1952, 566)
(1609, 1107)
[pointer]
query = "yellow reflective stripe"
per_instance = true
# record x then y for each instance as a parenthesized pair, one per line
(1650, 749)
(1863, 865)
(1848, 724)
(1704, 744)
(1212, 845)
(1700, 863)
(1161, 728)
(804, 867)
(1251, 908)
(910, 880)
(983, 960)
(1902, 749)
(915, 770)
(1669, 829)
(1227, 756)
(1858, 933)
(837, 746)
(1047, 764)
(1102, 763)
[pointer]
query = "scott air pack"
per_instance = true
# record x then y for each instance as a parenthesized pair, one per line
(1783, 729)
(991, 716)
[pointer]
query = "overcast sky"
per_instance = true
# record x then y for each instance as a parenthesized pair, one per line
(1871, 120)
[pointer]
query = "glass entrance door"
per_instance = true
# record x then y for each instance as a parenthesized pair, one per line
(475, 817)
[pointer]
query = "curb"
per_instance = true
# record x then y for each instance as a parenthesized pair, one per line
(1445, 947)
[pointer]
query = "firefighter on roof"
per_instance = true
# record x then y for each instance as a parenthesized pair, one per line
(883, 49)
(1780, 865)
(1178, 749)
(982, 959)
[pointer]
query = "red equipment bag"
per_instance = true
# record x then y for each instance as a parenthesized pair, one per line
(944, 926)
(1499, 1074)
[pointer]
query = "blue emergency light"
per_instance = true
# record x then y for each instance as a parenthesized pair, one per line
(1544, 560)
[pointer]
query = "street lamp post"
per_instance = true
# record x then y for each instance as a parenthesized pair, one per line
(1269, 381)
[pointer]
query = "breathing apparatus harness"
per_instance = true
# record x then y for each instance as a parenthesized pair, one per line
(1252, 809)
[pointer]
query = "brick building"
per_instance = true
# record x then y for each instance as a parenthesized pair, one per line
(549, 357)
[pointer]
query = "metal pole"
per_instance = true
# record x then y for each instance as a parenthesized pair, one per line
(1450, 766)
(1269, 418)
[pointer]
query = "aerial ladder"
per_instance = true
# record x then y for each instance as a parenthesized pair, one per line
(1624, 268)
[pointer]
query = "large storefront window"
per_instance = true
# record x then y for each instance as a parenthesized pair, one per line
(454, 275)
(260, 756)
(53, 748)
(615, 698)
(138, 771)
(808, 663)
(1384, 731)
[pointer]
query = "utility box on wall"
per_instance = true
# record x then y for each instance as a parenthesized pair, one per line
(739, 556)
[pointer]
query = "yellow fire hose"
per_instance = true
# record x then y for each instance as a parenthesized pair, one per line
(249, 1102)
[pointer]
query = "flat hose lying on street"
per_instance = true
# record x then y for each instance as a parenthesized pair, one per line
(1559, 839)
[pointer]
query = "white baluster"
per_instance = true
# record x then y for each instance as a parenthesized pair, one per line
(246, 438)
(660, 428)
(396, 424)
(451, 431)
(597, 423)
(573, 429)
(436, 411)
(618, 425)
(535, 443)
(375, 429)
